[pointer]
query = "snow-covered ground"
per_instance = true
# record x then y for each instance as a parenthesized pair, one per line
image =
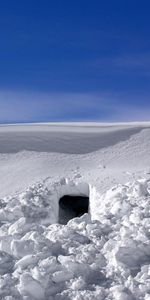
(104, 254)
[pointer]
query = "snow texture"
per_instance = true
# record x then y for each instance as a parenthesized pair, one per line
(101, 255)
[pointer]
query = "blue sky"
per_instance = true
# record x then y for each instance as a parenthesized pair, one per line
(74, 60)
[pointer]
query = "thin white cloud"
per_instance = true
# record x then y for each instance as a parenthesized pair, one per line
(139, 63)
(33, 106)
(26, 106)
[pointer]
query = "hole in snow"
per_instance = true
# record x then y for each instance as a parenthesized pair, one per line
(71, 207)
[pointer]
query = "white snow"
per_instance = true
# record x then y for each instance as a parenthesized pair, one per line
(104, 254)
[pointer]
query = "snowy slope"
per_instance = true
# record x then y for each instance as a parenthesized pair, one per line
(102, 155)
(101, 255)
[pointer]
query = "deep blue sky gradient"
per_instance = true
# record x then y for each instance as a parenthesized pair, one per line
(74, 60)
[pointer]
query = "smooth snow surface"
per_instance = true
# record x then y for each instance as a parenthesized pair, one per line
(64, 139)
(104, 254)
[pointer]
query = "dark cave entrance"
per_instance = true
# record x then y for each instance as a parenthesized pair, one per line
(71, 207)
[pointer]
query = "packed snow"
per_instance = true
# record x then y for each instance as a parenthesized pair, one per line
(103, 254)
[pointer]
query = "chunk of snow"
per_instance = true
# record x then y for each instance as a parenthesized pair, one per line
(30, 287)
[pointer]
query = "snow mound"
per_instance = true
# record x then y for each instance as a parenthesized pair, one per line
(101, 255)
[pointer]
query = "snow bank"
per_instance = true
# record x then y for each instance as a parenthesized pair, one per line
(102, 255)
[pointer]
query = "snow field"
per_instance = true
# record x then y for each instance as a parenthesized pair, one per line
(101, 255)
